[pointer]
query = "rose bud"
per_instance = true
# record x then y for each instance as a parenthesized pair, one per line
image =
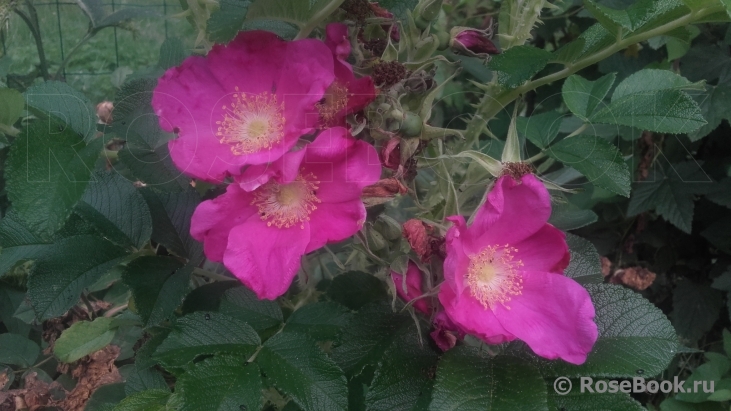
(382, 191)
(472, 42)
(104, 112)
(409, 288)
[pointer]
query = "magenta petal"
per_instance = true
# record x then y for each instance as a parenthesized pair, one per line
(513, 211)
(467, 313)
(283, 170)
(213, 220)
(456, 263)
(335, 222)
(265, 258)
(554, 315)
(342, 164)
(546, 250)
(336, 39)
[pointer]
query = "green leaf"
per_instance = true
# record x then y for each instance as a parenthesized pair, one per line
(671, 193)
(207, 297)
(469, 380)
(540, 129)
(567, 216)
(227, 20)
(221, 383)
(65, 269)
(355, 289)
(204, 334)
(576, 400)
(116, 208)
(322, 321)
(171, 215)
(172, 53)
(18, 350)
(635, 337)
(242, 303)
(671, 404)
(518, 64)
(141, 379)
(83, 338)
(594, 39)
(297, 366)
(718, 234)
(585, 265)
(145, 154)
(150, 400)
(653, 80)
(405, 376)
(367, 336)
(18, 243)
(663, 111)
(48, 169)
(597, 159)
(10, 301)
(106, 397)
(641, 16)
(695, 308)
(712, 103)
(583, 96)
(64, 102)
(711, 372)
(298, 12)
(12, 104)
(159, 285)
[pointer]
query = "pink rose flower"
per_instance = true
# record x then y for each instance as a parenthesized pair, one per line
(347, 94)
(504, 275)
(274, 214)
(413, 287)
(247, 102)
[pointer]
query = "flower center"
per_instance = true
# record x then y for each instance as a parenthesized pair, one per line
(493, 276)
(251, 123)
(334, 101)
(285, 205)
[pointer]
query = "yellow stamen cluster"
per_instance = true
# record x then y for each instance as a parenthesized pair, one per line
(251, 123)
(335, 101)
(493, 276)
(286, 205)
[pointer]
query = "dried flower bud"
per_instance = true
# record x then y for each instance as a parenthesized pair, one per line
(472, 42)
(446, 333)
(391, 154)
(383, 191)
(104, 112)
(422, 239)
(638, 278)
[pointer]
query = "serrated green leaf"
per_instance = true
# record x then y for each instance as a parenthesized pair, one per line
(242, 303)
(18, 243)
(65, 269)
(355, 289)
(567, 216)
(469, 380)
(48, 169)
(83, 338)
(227, 20)
(597, 159)
(205, 333)
(297, 366)
(368, 334)
(712, 104)
(541, 128)
(172, 53)
(651, 80)
(12, 104)
(171, 215)
(695, 309)
(18, 350)
(116, 208)
(321, 321)
(150, 400)
(592, 40)
(223, 383)
(10, 301)
(142, 379)
(405, 376)
(64, 102)
(583, 96)
(663, 111)
(106, 397)
(578, 401)
(671, 404)
(518, 64)
(585, 265)
(159, 285)
(641, 16)
(635, 338)
(207, 297)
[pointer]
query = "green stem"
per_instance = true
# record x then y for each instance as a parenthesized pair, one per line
(490, 105)
(317, 18)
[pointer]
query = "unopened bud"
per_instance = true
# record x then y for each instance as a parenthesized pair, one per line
(410, 288)
(411, 124)
(387, 226)
(375, 240)
(104, 112)
(472, 42)
(428, 10)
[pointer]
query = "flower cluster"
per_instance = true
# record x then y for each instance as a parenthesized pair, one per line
(243, 113)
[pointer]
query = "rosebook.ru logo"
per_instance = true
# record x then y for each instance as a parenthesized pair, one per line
(563, 386)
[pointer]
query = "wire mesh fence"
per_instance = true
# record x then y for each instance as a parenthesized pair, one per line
(98, 66)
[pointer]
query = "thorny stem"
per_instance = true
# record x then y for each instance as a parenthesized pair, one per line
(491, 105)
